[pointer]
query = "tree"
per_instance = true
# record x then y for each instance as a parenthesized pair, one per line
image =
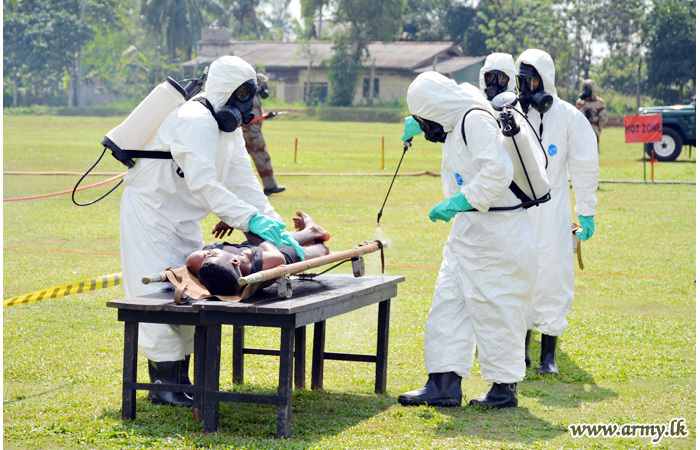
(344, 70)
(365, 21)
(243, 19)
(177, 23)
(444, 20)
(41, 42)
(309, 8)
(669, 33)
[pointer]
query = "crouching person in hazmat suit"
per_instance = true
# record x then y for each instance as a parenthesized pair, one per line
(571, 147)
(490, 258)
(164, 200)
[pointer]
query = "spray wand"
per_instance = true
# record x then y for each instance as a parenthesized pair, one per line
(406, 144)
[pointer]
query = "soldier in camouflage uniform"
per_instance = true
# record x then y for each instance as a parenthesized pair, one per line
(593, 107)
(255, 142)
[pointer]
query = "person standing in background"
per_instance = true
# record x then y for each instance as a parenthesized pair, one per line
(255, 141)
(593, 107)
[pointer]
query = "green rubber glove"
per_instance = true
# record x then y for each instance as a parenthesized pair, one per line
(447, 209)
(587, 228)
(410, 129)
(287, 239)
(268, 229)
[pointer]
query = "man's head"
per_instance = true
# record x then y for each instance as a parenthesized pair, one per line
(230, 89)
(531, 88)
(263, 88)
(588, 89)
(440, 103)
(497, 75)
(536, 66)
(220, 272)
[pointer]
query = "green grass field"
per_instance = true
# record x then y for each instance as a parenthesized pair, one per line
(628, 356)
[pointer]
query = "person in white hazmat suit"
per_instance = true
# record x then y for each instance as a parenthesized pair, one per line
(489, 261)
(161, 210)
(497, 75)
(571, 147)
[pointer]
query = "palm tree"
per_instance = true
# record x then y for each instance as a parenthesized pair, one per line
(242, 17)
(177, 22)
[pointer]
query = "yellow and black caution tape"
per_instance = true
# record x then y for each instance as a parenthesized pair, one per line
(76, 287)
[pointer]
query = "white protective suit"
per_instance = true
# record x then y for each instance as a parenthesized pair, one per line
(498, 61)
(571, 145)
(489, 261)
(160, 211)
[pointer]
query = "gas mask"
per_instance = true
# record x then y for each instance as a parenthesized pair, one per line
(496, 82)
(586, 94)
(531, 89)
(238, 110)
(433, 130)
(264, 92)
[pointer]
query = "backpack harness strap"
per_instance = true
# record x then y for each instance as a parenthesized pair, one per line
(526, 201)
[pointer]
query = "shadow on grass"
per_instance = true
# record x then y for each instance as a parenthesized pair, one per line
(22, 397)
(315, 415)
(497, 425)
(572, 387)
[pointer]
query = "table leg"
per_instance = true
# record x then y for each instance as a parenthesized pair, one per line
(317, 359)
(238, 344)
(131, 339)
(284, 411)
(211, 380)
(382, 346)
(300, 358)
(200, 346)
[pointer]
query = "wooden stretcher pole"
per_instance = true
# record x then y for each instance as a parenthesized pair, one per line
(291, 269)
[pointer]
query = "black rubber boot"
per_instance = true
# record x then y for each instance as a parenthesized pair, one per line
(167, 372)
(499, 396)
(274, 190)
(548, 363)
(442, 389)
(185, 370)
(528, 336)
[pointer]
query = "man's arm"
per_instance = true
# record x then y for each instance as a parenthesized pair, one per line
(272, 257)
(194, 151)
(582, 162)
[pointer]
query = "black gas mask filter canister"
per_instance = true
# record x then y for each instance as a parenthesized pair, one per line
(238, 110)
(531, 89)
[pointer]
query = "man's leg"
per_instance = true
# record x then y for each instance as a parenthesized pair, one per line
(255, 145)
(307, 230)
(167, 347)
(449, 345)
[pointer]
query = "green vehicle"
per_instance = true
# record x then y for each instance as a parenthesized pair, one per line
(678, 123)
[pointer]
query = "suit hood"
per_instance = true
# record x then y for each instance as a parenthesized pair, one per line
(435, 97)
(544, 64)
(498, 61)
(225, 75)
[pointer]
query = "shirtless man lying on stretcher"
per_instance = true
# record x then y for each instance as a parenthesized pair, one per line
(220, 264)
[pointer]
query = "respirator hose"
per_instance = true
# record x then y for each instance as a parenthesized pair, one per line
(86, 174)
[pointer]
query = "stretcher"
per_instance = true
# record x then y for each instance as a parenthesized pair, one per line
(188, 287)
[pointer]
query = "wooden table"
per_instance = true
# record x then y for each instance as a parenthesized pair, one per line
(313, 302)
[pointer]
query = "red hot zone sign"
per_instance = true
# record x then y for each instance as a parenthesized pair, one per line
(643, 128)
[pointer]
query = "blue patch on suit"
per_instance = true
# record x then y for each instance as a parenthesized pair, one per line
(552, 150)
(459, 179)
